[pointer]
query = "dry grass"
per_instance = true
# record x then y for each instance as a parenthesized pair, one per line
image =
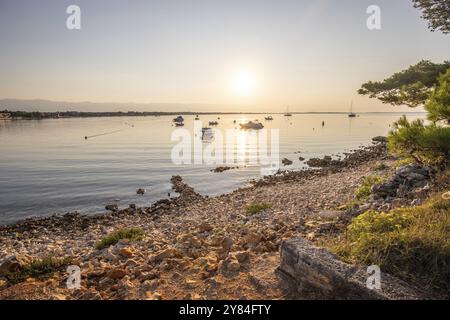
(412, 243)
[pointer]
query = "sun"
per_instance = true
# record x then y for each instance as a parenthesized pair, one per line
(243, 83)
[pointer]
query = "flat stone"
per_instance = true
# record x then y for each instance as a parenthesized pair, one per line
(10, 264)
(126, 253)
(117, 273)
(314, 271)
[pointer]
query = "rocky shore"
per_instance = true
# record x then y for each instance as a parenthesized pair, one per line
(192, 246)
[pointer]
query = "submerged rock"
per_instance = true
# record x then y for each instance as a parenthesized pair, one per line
(380, 139)
(326, 161)
(222, 169)
(112, 207)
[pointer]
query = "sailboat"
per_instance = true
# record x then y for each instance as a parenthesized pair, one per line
(288, 114)
(351, 114)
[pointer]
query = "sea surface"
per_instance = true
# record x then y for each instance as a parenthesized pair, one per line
(49, 167)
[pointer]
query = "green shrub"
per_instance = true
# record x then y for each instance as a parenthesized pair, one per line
(39, 268)
(257, 207)
(411, 243)
(426, 144)
(132, 234)
(363, 191)
(438, 106)
(403, 162)
(381, 166)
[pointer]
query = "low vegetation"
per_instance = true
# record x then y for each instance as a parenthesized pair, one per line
(363, 191)
(427, 144)
(40, 268)
(132, 234)
(381, 166)
(403, 162)
(411, 243)
(257, 207)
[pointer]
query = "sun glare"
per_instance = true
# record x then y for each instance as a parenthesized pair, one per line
(243, 83)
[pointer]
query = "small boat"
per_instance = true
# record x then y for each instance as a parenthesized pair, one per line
(288, 114)
(252, 125)
(351, 114)
(269, 118)
(213, 123)
(5, 116)
(178, 119)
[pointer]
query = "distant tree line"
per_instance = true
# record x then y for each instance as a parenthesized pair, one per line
(36, 115)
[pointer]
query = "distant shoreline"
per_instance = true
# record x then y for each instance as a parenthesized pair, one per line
(37, 115)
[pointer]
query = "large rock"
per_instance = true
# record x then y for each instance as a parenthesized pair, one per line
(321, 163)
(11, 264)
(403, 182)
(316, 273)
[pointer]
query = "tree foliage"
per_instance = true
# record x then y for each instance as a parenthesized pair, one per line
(436, 12)
(438, 106)
(411, 87)
(426, 143)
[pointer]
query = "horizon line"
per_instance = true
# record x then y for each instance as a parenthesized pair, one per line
(207, 112)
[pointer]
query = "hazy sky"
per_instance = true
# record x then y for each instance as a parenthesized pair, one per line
(245, 55)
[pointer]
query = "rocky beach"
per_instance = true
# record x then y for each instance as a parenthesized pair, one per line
(198, 247)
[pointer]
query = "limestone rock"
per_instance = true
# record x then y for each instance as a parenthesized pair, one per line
(117, 273)
(11, 264)
(126, 252)
(153, 295)
(314, 271)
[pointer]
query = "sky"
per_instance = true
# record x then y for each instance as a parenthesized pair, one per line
(227, 55)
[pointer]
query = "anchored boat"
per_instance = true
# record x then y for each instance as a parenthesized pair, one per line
(252, 125)
(351, 114)
(288, 114)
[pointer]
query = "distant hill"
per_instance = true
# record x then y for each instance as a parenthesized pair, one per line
(49, 106)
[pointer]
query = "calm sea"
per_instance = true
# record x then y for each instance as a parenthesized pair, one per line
(47, 166)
